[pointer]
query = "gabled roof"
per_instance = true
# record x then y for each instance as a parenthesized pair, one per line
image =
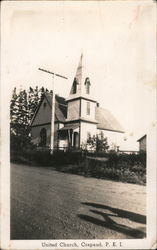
(104, 118)
(60, 107)
(107, 121)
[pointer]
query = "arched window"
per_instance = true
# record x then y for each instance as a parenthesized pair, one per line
(75, 86)
(87, 84)
(43, 137)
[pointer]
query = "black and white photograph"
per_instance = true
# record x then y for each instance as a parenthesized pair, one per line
(78, 124)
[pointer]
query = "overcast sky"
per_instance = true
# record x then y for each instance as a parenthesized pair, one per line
(118, 42)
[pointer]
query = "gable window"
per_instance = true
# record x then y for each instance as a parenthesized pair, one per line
(87, 84)
(43, 137)
(88, 108)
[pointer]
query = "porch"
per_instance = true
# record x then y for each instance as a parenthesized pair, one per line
(69, 137)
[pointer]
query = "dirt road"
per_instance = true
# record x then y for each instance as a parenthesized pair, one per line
(46, 204)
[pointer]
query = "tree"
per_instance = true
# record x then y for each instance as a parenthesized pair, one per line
(42, 91)
(33, 101)
(13, 110)
(19, 124)
(98, 143)
(22, 108)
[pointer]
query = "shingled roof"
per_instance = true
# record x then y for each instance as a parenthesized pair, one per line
(60, 106)
(107, 121)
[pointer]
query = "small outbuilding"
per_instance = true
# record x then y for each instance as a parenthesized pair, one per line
(142, 143)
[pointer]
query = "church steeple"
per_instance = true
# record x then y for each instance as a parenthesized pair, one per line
(80, 103)
(81, 107)
(81, 83)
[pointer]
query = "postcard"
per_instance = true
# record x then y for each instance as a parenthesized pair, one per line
(78, 124)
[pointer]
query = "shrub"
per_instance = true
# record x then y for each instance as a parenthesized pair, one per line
(123, 167)
(44, 158)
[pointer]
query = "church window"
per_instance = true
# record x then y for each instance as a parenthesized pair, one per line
(75, 86)
(87, 84)
(43, 137)
(88, 108)
(45, 104)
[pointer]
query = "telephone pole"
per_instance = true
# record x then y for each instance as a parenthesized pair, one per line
(53, 105)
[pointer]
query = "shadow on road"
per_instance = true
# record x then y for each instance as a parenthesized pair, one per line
(120, 213)
(111, 224)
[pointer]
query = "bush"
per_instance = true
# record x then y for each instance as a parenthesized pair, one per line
(124, 167)
(127, 168)
(44, 158)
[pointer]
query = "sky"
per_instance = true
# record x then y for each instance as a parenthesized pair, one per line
(117, 39)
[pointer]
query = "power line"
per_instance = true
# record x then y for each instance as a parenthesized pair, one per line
(50, 72)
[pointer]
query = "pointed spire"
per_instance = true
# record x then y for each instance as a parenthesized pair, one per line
(81, 83)
(79, 70)
(79, 78)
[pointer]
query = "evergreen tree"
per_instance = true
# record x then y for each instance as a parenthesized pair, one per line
(19, 120)
(33, 101)
(30, 97)
(22, 114)
(22, 108)
(13, 111)
(42, 92)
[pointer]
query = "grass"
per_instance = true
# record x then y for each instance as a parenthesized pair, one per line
(124, 168)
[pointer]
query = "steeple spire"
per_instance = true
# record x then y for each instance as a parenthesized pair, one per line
(79, 71)
(79, 84)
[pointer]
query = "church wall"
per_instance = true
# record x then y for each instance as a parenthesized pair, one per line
(73, 109)
(114, 138)
(86, 128)
(84, 109)
(35, 134)
(44, 114)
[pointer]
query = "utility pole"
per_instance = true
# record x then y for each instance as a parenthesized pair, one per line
(53, 105)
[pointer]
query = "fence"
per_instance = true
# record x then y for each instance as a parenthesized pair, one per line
(128, 152)
(81, 149)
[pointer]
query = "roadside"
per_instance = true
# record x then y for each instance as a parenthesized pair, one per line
(130, 168)
(46, 204)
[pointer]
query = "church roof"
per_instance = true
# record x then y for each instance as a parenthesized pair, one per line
(60, 106)
(107, 121)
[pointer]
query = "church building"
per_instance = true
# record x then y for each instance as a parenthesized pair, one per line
(76, 118)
